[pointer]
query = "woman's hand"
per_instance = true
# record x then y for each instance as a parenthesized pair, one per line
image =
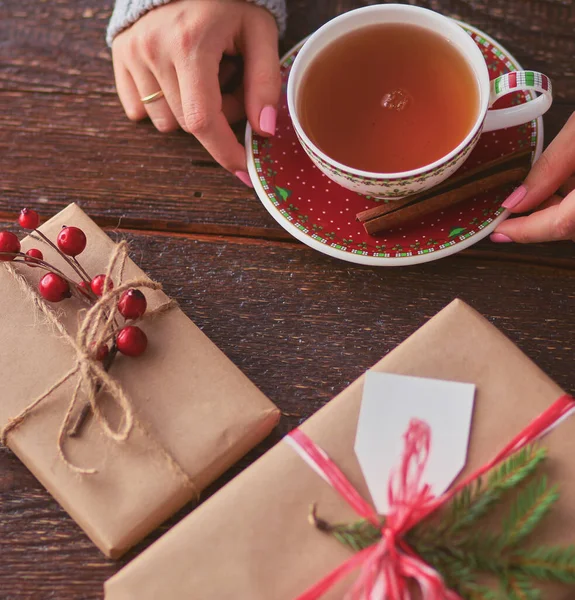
(178, 48)
(550, 189)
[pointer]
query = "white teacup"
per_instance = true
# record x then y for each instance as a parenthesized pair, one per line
(398, 185)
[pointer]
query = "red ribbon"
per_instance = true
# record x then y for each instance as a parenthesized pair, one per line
(387, 565)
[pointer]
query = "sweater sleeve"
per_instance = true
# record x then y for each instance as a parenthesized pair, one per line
(127, 12)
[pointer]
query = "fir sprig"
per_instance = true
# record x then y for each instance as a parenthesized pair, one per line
(357, 536)
(547, 563)
(475, 500)
(458, 545)
(532, 504)
(481, 592)
(520, 587)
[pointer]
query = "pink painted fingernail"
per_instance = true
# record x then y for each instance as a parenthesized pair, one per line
(268, 118)
(244, 178)
(500, 237)
(515, 197)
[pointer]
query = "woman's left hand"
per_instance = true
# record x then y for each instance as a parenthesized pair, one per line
(549, 190)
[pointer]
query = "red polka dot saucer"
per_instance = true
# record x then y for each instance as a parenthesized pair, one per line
(321, 214)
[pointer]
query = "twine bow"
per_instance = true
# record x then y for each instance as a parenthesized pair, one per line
(387, 565)
(96, 327)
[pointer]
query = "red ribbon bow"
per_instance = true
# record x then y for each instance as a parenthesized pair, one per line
(387, 565)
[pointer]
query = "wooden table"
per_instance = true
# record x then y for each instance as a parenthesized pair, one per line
(299, 324)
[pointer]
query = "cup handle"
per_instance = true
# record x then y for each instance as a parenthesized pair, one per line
(522, 113)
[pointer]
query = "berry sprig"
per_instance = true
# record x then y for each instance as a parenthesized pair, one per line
(55, 286)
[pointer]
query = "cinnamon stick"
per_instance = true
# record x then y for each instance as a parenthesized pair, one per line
(434, 203)
(507, 169)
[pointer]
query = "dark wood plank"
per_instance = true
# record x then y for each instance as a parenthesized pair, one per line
(263, 301)
(301, 326)
(65, 137)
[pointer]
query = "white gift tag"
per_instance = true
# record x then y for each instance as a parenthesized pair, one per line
(388, 405)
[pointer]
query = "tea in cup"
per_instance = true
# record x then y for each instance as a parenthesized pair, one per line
(389, 100)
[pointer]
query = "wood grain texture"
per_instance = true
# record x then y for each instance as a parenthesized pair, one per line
(65, 136)
(259, 295)
(265, 305)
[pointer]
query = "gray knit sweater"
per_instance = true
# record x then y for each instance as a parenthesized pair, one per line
(127, 12)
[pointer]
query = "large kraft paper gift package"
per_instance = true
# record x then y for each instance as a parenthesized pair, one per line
(195, 413)
(252, 540)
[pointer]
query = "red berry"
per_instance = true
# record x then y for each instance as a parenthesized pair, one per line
(102, 352)
(132, 341)
(9, 243)
(84, 288)
(34, 253)
(132, 304)
(54, 288)
(29, 219)
(97, 284)
(71, 241)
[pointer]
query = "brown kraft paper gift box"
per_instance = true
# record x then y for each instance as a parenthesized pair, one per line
(252, 540)
(188, 398)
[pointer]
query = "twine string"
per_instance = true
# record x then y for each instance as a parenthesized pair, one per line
(96, 327)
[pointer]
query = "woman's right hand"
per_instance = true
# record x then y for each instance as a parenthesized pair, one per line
(178, 48)
(549, 191)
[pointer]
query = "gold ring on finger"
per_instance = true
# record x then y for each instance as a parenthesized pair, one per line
(152, 97)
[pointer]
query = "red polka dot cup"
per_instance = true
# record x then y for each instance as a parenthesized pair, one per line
(401, 184)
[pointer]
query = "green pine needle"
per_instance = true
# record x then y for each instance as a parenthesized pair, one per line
(455, 571)
(520, 588)
(516, 468)
(456, 543)
(532, 504)
(547, 563)
(475, 500)
(481, 592)
(357, 536)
